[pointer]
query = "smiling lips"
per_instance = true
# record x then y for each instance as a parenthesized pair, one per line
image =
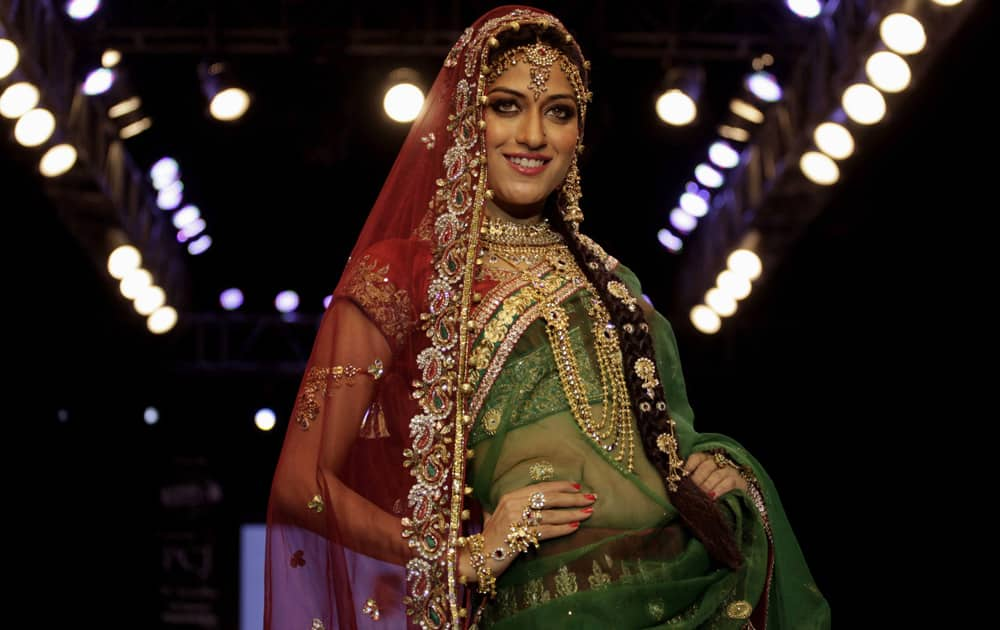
(528, 163)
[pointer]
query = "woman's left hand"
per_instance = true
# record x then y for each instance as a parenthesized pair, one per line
(710, 478)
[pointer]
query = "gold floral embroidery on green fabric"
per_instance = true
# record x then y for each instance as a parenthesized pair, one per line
(535, 593)
(656, 609)
(565, 582)
(506, 602)
(598, 578)
(541, 471)
(739, 609)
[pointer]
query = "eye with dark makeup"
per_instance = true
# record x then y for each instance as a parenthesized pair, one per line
(506, 106)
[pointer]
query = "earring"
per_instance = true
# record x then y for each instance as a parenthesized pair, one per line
(569, 197)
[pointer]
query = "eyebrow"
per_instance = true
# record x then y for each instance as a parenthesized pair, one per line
(549, 97)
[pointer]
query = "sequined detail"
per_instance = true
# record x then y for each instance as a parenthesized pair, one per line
(541, 471)
(565, 582)
(376, 369)
(316, 504)
(656, 609)
(298, 559)
(428, 140)
(371, 609)
(739, 609)
(491, 421)
(387, 305)
(646, 370)
(317, 624)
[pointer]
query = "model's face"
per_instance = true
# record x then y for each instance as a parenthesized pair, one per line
(529, 143)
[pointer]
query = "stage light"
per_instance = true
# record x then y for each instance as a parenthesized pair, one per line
(403, 97)
(231, 299)
(186, 215)
(286, 301)
(110, 58)
(200, 245)
(122, 260)
(35, 127)
(888, 72)
(134, 129)
(733, 285)
(723, 155)
(903, 33)
(9, 56)
(82, 9)
(705, 319)
(149, 299)
(863, 104)
(722, 303)
(683, 221)
(125, 107)
(134, 282)
(227, 100)
(745, 264)
(708, 176)
(151, 416)
(808, 9)
(695, 201)
(948, 3)
(669, 240)
(18, 99)
(834, 140)
(162, 320)
(746, 111)
(819, 168)
(764, 86)
(736, 134)
(98, 82)
(678, 104)
(170, 196)
(191, 230)
(57, 160)
(164, 172)
(264, 419)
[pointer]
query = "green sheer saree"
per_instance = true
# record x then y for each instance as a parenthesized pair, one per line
(632, 564)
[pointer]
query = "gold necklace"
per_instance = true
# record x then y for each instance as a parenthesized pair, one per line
(508, 233)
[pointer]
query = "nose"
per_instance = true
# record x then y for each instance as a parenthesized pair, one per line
(531, 131)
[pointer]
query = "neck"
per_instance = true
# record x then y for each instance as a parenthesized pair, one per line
(526, 215)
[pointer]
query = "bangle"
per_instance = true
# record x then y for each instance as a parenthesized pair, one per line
(487, 582)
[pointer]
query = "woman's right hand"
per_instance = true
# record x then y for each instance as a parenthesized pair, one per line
(565, 507)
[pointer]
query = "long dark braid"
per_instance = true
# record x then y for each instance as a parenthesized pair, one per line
(698, 512)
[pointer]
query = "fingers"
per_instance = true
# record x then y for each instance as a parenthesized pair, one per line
(704, 469)
(694, 461)
(545, 532)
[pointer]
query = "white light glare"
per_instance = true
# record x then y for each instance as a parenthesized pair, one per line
(723, 155)
(57, 160)
(162, 320)
(888, 72)
(764, 86)
(170, 196)
(705, 319)
(674, 107)
(864, 104)
(819, 168)
(286, 301)
(164, 172)
(694, 202)
(668, 240)
(200, 245)
(122, 260)
(151, 416)
(98, 81)
(35, 127)
(733, 285)
(229, 104)
(231, 299)
(186, 215)
(9, 57)
(264, 419)
(720, 302)
(149, 299)
(834, 140)
(134, 282)
(903, 33)
(683, 221)
(745, 263)
(708, 176)
(110, 58)
(18, 99)
(808, 9)
(403, 101)
(82, 9)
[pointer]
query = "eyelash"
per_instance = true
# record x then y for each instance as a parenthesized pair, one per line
(498, 105)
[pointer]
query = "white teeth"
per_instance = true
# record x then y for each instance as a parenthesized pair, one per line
(525, 162)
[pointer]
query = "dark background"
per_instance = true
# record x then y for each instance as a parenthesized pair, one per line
(835, 373)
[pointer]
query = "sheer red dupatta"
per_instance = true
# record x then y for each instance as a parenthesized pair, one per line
(368, 494)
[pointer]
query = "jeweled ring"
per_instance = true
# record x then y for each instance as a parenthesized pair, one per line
(537, 501)
(722, 461)
(531, 517)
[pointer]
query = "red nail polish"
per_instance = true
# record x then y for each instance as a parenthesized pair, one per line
(576, 485)
(590, 496)
(575, 525)
(587, 510)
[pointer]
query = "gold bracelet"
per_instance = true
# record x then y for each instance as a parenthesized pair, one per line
(487, 582)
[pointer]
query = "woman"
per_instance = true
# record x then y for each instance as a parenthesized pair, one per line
(493, 429)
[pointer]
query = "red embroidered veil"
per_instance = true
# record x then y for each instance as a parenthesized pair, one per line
(369, 492)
